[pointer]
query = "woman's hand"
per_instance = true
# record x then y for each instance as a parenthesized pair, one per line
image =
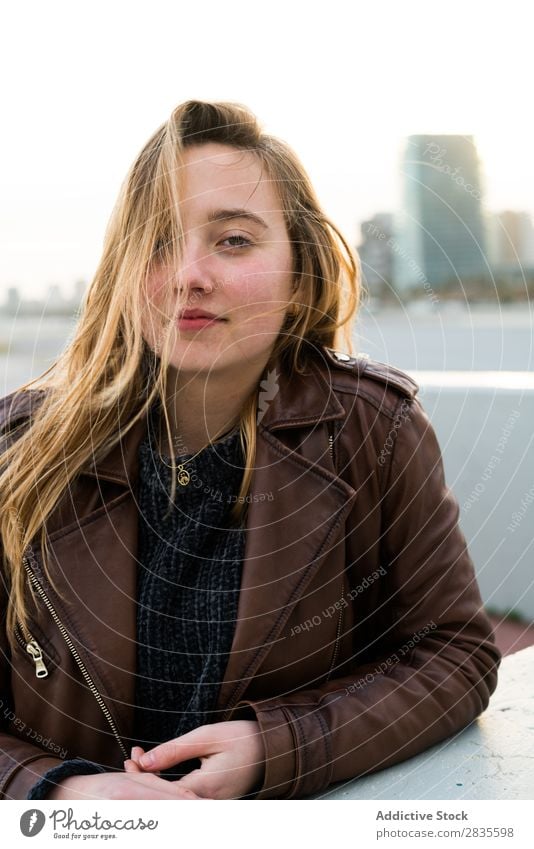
(119, 785)
(232, 756)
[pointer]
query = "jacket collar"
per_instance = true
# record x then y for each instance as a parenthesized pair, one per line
(287, 399)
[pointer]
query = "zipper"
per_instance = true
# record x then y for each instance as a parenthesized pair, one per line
(340, 618)
(228, 710)
(338, 635)
(331, 443)
(74, 652)
(32, 647)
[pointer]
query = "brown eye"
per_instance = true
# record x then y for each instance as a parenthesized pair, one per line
(237, 241)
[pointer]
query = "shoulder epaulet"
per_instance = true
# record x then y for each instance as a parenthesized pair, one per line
(385, 373)
(18, 405)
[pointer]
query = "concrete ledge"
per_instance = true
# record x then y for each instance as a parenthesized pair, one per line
(483, 421)
(493, 758)
(502, 381)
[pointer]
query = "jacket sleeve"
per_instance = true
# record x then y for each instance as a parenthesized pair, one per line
(440, 666)
(75, 766)
(22, 763)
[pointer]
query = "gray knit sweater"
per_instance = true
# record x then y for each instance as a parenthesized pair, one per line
(189, 574)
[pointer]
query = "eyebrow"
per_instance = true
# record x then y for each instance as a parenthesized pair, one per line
(228, 214)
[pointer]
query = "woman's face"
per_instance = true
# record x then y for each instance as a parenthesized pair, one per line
(236, 265)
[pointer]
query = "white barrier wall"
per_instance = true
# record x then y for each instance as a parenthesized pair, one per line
(493, 758)
(484, 421)
(485, 425)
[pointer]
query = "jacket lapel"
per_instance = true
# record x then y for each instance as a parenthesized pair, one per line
(288, 536)
(296, 510)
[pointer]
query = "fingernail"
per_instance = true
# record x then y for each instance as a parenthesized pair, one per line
(147, 760)
(136, 752)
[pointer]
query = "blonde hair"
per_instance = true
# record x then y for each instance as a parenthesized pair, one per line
(107, 376)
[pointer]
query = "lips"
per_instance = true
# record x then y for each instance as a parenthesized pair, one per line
(197, 320)
(187, 314)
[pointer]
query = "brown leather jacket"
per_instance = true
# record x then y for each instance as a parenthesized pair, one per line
(361, 639)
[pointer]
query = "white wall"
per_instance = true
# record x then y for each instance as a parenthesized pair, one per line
(485, 425)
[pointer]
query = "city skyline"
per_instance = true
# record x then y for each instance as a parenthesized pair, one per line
(508, 242)
(343, 89)
(509, 245)
(66, 279)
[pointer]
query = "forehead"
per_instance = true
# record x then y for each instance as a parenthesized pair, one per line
(216, 172)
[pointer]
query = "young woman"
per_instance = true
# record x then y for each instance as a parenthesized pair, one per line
(227, 544)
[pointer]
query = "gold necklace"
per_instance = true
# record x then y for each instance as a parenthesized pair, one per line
(183, 477)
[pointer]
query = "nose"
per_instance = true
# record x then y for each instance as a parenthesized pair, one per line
(196, 273)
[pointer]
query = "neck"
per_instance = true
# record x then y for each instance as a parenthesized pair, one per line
(202, 408)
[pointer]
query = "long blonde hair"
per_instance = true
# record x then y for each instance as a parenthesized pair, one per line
(107, 372)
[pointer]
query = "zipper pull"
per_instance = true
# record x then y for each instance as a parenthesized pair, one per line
(34, 649)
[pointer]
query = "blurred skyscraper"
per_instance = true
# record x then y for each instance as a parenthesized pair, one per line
(55, 302)
(376, 254)
(512, 241)
(440, 233)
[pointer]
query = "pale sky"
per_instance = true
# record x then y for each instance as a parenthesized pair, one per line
(86, 84)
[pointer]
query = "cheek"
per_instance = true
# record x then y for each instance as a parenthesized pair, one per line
(159, 298)
(158, 283)
(154, 308)
(259, 283)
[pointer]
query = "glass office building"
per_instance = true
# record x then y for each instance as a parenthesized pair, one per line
(441, 232)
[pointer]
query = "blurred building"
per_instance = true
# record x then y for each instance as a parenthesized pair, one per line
(511, 241)
(440, 233)
(12, 302)
(54, 303)
(376, 256)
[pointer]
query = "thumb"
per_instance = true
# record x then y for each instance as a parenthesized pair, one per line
(132, 764)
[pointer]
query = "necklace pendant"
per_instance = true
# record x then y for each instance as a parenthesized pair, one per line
(183, 476)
